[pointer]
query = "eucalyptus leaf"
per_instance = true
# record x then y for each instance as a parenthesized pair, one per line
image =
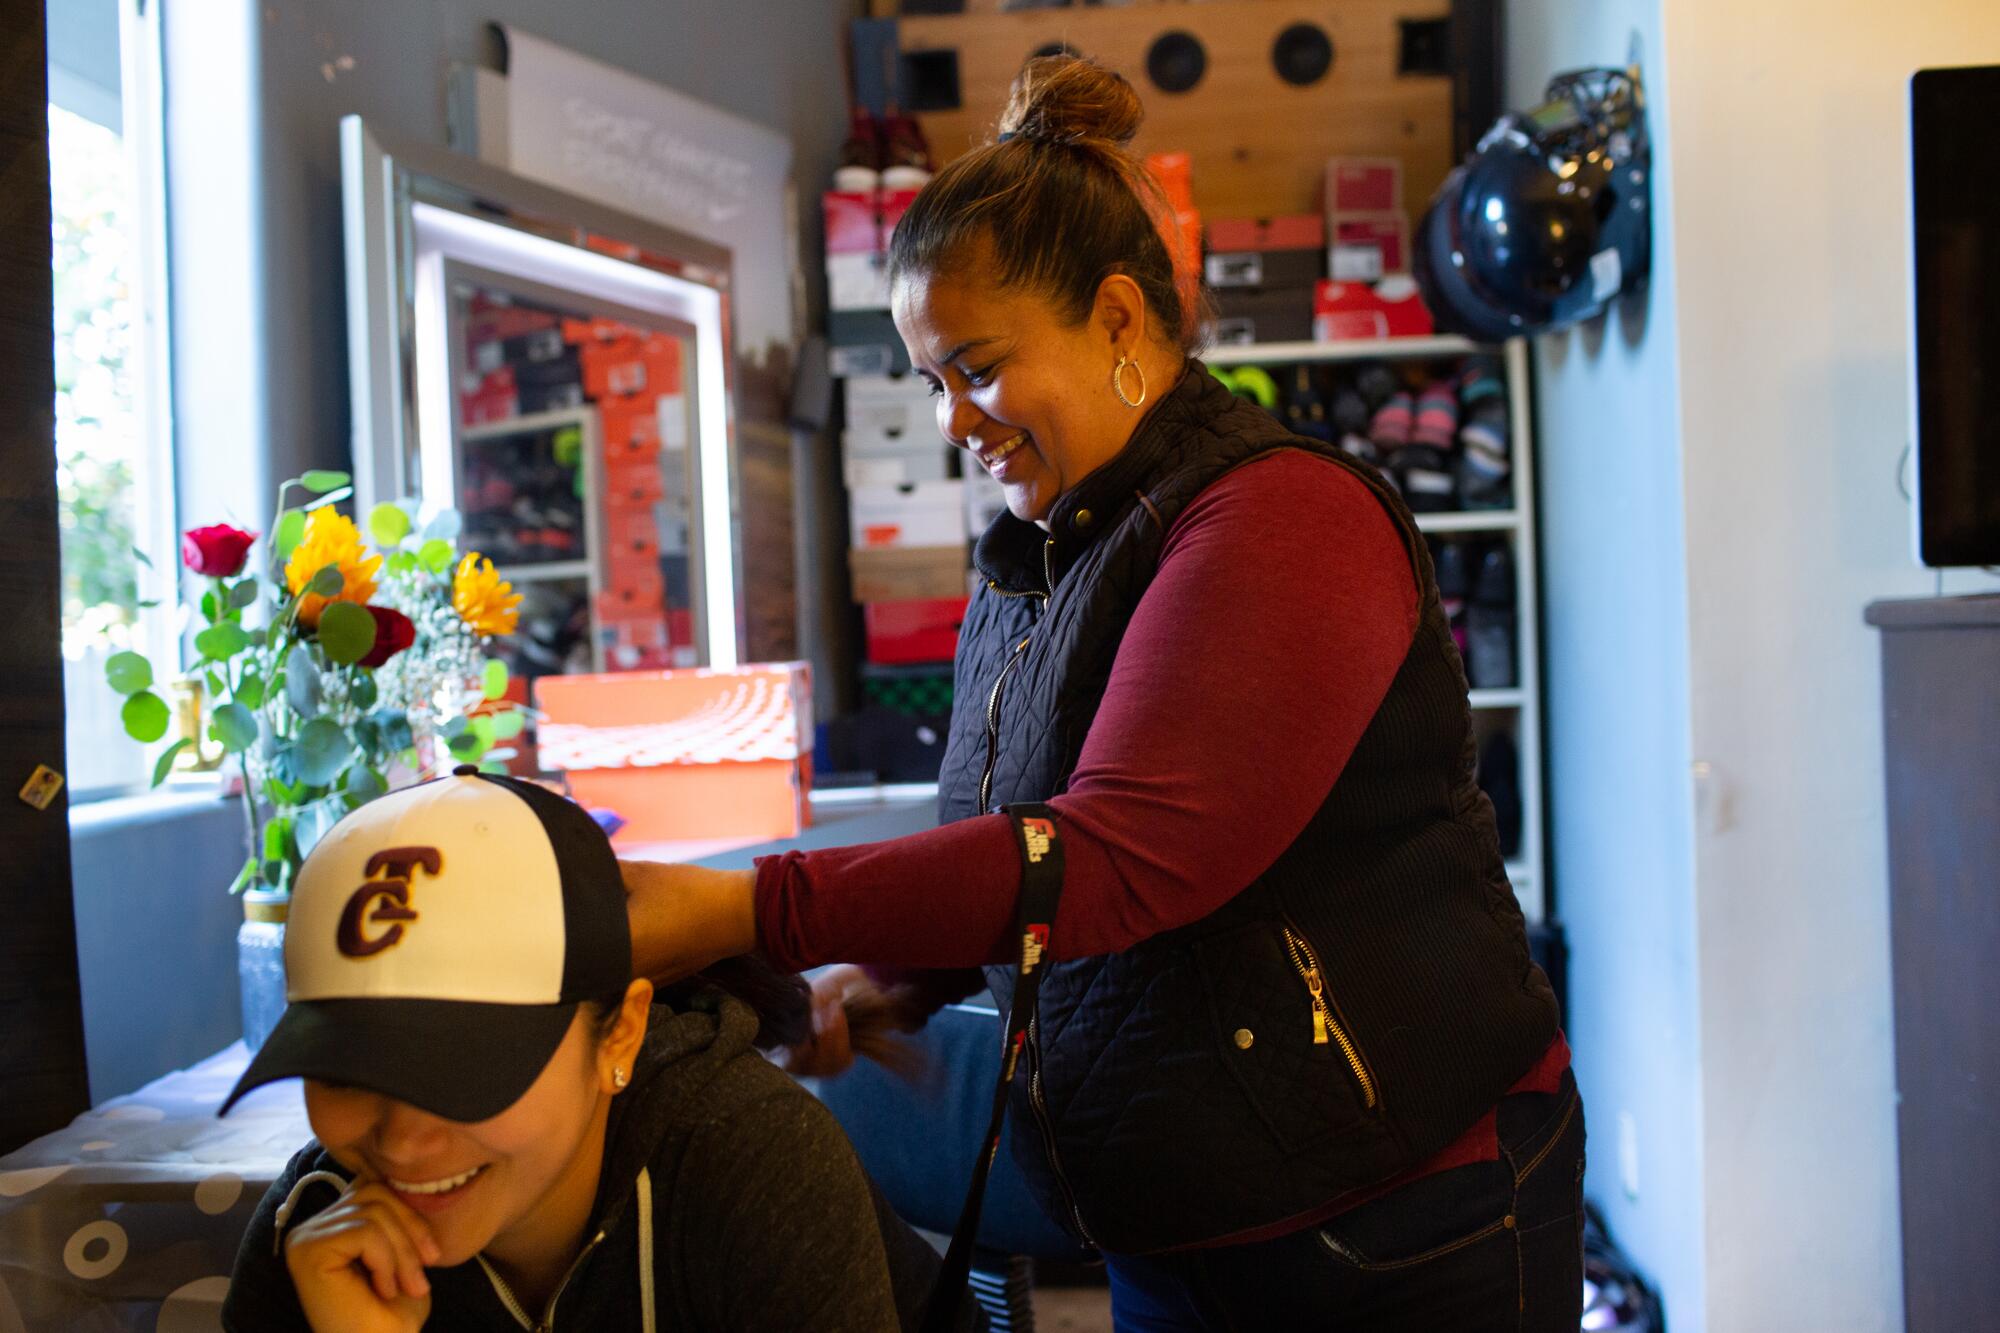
(273, 873)
(363, 692)
(401, 562)
(444, 526)
(244, 876)
(290, 532)
(435, 555)
(217, 686)
(222, 641)
(493, 678)
(313, 822)
(128, 672)
(302, 690)
(483, 727)
(364, 784)
(367, 736)
(388, 524)
(470, 746)
(394, 726)
(250, 692)
(323, 749)
(330, 498)
(508, 725)
(346, 632)
(145, 716)
(319, 481)
(454, 728)
(242, 594)
(259, 637)
(235, 727)
(276, 834)
(327, 582)
(165, 764)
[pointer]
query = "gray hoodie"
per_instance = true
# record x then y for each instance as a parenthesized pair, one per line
(759, 1217)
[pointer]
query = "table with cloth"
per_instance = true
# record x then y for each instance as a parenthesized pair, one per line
(128, 1218)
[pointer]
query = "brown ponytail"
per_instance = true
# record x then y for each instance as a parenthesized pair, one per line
(1059, 199)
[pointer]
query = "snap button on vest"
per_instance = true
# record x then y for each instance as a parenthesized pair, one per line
(1083, 517)
(1244, 1038)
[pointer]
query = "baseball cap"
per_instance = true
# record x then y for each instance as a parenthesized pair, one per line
(439, 940)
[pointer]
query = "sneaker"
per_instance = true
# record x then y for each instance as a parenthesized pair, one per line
(860, 169)
(1349, 411)
(1376, 384)
(906, 157)
(1437, 416)
(1390, 428)
(1424, 475)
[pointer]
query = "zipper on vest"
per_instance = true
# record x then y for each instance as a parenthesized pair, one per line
(993, 724)
(1326, 1023)
(508, 1299)
(1042, 1122)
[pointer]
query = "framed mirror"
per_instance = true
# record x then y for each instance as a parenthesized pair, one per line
(558, 373)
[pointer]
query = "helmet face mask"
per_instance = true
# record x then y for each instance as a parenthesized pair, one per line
(1548, 219)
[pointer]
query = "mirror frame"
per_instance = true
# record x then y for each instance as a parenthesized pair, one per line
(411, 212)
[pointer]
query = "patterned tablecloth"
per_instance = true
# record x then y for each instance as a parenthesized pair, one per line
(128, 1219)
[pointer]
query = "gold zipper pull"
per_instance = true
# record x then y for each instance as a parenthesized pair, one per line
(1321, 1019)
(1319, 1024)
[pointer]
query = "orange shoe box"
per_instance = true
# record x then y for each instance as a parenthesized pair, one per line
(685, 755)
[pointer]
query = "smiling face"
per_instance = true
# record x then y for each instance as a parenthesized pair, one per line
(1020, 388)
(517, 1187)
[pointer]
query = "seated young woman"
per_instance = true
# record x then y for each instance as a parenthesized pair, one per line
(511, 1133)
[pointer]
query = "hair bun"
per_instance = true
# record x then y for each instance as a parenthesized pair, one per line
(1070, 99)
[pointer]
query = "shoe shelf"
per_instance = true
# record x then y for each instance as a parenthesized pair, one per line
(1516, 709)
(556, 569)
(1359, 349)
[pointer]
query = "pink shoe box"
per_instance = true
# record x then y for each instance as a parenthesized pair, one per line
(853, 222)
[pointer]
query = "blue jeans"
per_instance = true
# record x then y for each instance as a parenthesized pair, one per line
(1488, 1247)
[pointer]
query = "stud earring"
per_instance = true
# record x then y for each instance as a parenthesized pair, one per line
(1118, 382)
(618, 1078)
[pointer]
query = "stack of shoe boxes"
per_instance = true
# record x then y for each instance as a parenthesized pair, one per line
(860, 337)
(906, 521)
(1368, 292)
(1263, 271)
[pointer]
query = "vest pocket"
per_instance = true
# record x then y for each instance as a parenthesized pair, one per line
(1282, 1039)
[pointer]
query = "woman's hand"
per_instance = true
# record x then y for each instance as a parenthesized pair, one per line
(830, 1049)
(685, 917)
(358, 1267)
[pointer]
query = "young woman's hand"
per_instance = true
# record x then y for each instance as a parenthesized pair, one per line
(358, 1267)
(685, 917)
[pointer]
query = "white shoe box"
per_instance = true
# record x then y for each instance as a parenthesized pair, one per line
(985, 499)
(857, 282)
(923, 513)
(891, 407)
(873, 461)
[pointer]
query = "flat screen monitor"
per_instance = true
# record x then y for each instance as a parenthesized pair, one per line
(1955, 205)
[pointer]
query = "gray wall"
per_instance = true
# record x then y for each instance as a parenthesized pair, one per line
(256, 89)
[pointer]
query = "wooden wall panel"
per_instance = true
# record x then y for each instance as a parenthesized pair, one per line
(43, 1083)
(1259, 144)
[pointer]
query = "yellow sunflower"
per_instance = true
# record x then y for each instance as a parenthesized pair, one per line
(482, 598)
(331, 539)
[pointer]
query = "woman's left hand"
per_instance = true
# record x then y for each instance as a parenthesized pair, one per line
(685, 917)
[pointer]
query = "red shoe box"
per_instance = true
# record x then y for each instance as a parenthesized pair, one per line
(631, 426)
(1363, 185)
(633, 486)
(493, 397)
(853, 222)
(922, 631)
(1293, 231)
(1388, 309)
(640, 595)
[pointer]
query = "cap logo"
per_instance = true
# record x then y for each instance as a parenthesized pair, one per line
(389, 896)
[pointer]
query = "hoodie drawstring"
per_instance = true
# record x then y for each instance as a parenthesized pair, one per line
(646, 1250)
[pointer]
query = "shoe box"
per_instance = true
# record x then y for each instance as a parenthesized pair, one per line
(1263, 271)
(858, 227)
(1174, 173)
(1368, 227)
(864, 342)
(913, 630)
(920, 513)
(1391, 308)
(985, 501)
(907, 573)
(891, 436)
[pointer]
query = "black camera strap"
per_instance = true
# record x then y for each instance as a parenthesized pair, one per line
(1034, 912)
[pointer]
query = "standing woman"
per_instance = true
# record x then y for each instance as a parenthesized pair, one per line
(1292, 1067)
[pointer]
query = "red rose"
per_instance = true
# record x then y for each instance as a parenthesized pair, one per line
(216, 551)
(393, 633)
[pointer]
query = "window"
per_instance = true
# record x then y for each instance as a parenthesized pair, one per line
(114, 470)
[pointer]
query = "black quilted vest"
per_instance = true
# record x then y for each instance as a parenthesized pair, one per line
(1175, 1093)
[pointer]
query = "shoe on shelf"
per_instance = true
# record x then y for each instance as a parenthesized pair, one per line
(1349, 411)
(1424, 474)
(906, 157)
(1392, 423)
(1377, 384)
(860, 169)
(1437, 416)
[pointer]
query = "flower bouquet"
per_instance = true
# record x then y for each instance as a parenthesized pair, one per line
(332, 670)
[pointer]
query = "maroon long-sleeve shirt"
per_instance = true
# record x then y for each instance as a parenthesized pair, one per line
(1283, 607)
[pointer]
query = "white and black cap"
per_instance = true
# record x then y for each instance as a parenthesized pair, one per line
(439, 940)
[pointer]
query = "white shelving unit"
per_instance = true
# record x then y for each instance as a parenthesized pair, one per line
(1527, 871)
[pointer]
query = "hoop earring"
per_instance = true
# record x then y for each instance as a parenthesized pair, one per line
(1118, 381)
